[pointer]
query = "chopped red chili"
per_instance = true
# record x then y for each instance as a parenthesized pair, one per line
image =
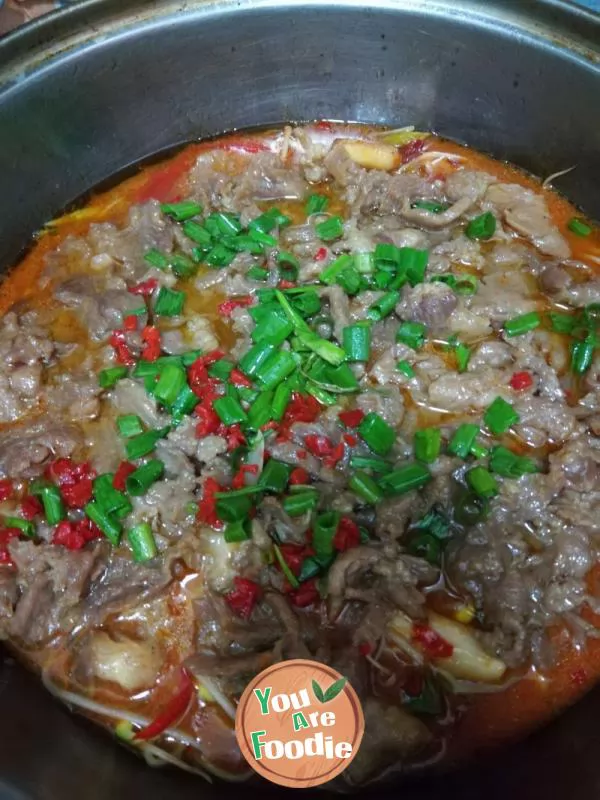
(521, 381)
(130, 322)
(294, 555)
(434, 645)
(207, 507)
(67, 535)
(305, 595)
(77, 495)
(321, 254)
(350, 440)
(151, 338)
(298, 476)
(172, 712)
(319, 446)
(234, 436)
(411, 150)
(6, 489)
(286, 284)
(74, 480)
(209, 421)
(31, 507)
(239, 479)
(145, 288)
(243, 596)
(336, 454)
(347, 535)
(124, 469)
(239, 302)
(239, 379)
(301, 408)
(124, 354)
(351, 419)
(6, 534)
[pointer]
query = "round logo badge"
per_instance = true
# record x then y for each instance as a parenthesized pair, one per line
(299, 723)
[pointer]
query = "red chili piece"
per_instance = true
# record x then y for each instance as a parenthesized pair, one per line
(347, 535)
(239, 302)
(124, 354)
(350, 440)
(6, 534)
(336, 455)
(305, 595)
(298, 476)
(239, 479)
(286, 284)
(411, 150)
(351, 419)
(151, 339)
(234, 436)
(319, 446)
(172, 712)
(209, 421)
(321, 254)
(6, 489)
(521, 381)
(145, 288)
(130, 322)
(31, 507)
(243, 597)
(239, 379)
(74, 480)
(434, 645)
(124, 469)
(207, 507)
(294, 555)
(301, 408)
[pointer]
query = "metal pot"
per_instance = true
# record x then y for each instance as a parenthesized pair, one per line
(103, 84)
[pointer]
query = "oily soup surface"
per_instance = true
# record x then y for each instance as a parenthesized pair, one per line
(326, 392)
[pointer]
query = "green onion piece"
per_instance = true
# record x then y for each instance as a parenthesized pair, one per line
(504, 462)
(138, 482)
(426, 546)
(482, 227)
(579, 227)
(447, 278)
(364, 262)
(221, 369)
(183, 211)
(429, 205)
(269, 220)
(522, 324)
(109, 526)
(478, 450)
(289, 575)
(256, 357)
(235, 507)
(465, 284)
(273, 327)
(145, 443)
(372, 463)
(330, 229)
(171, 381)
(365, 487)
(257, 274)
(260, 411)
(291, 313)
(435, 523)
(428, 443)
(324, 529)
(109, 499)
(276, 369)
(183, 267)
(582, 354)
(382, 280)
(275, 476)
(429, 701)
(384, 306)
(228, 224)
(349, 279)
(482, 482)
(316, 204)
(405, 368)
(295, 505)
(187, 359)
(107, 378)
(229, 410)
(405, 479)
(262, 238)
(357, 341)
(220, 256)
(387, 256)
(169, 303)
(237, 531)
(463, 439)
(413, 263)
(312, 567)
(326, 350)
(462, 354)
(562, 323)
(322, 395)
(281, 398)
(197, 233)
(288, 265)
(157, 259)
(469, 508)
(412, 334)
(49, 494)
(376, 432)
(500, 416)
(330, 273)
(141, 539)
(26, 527)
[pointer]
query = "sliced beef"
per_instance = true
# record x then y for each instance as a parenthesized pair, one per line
(100, 309)
(25, 449)
(430, 303)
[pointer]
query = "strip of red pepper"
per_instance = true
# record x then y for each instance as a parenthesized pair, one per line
(173, 711)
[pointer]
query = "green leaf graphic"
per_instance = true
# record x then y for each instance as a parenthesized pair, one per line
(335, 689)
(318, 692)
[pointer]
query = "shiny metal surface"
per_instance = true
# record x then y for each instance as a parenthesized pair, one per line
(106, 83)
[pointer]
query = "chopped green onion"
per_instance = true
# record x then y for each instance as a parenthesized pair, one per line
(482, 482)
(257, 274)
(405, 479)
(500, 416)
(349, 279)
(322, 395)
(26, 527)
(428, 443)
(139, 481)
(562, 323)
(482, 227)
(157, 259)
(462, 354)
(426, 546)
(145, 443)
(197, 233)
(357, 341)
(412, 334)
(429, 205)
(579, 227)
(183, 211)
(331, 272)
(435, 523)
(288, 265)
(326, 350)
(220, 256)
(107, 378)
(364, 262)
(405, 368)
(316, 204)
(260, 411)
(478, 450)
(469, 508)
(228, 224)
(377, 434)
(141, 539)
(447, 278)
(110, 499)
(465, 284)
(384, 306)
(229, 410)
(582, 354)
(524, 323)
(276, 369)
(377, 465)
(285, 568)
(281, 399)
(324, 529)
(171, 381)
(109, 526)
(413, 263)
(509, 464)
(169, 303)
(265, 239)
(463, 439)
(49, 494)
(297, 504)
(129, 425)
(255, 358)
(275, 476)
(237, 531)
(387, 256)
(235, 506)
(365, 487)
(221, 369)
(330, 229)
(273, 327)
(183, 267)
